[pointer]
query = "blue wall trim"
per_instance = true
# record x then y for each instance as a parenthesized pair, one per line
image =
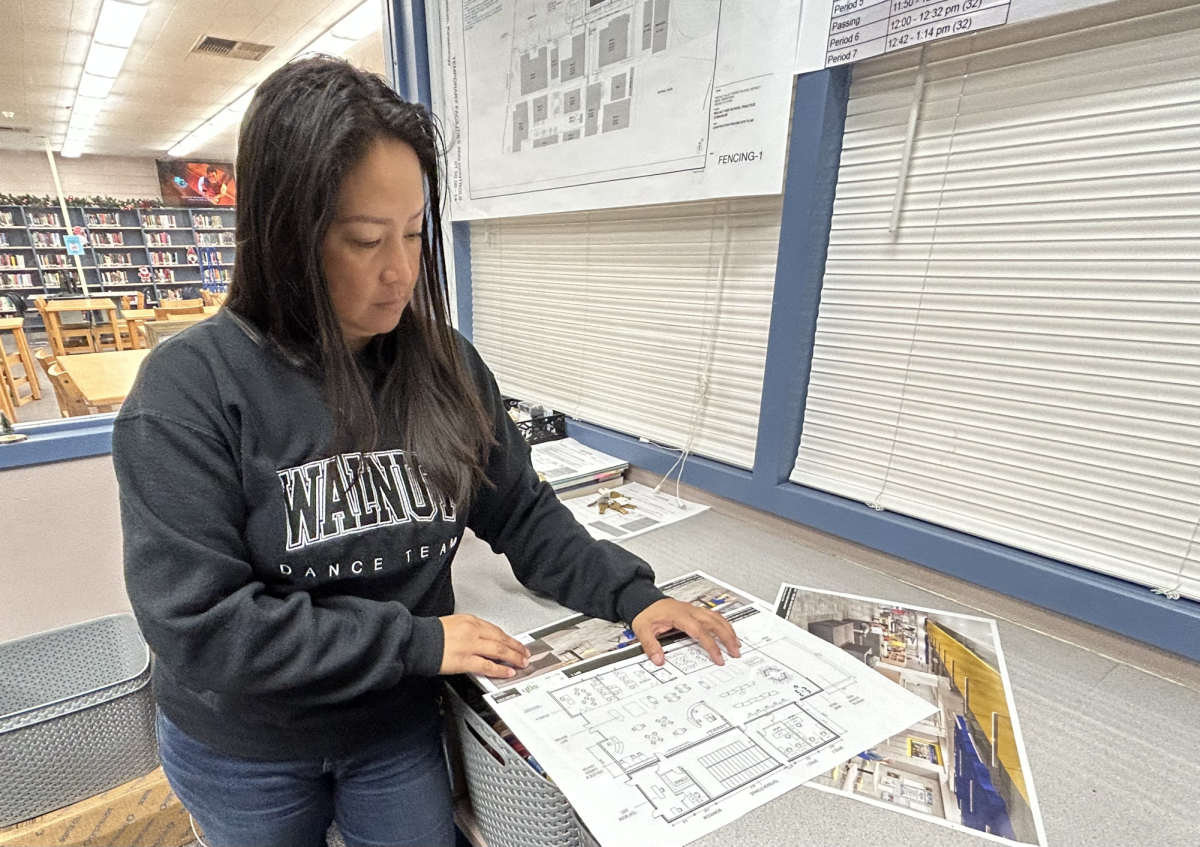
(814, 153)
(400, 37)
(58, 440)
(1112, 603)
(462, 278)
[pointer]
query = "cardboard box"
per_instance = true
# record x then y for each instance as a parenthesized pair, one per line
(142, 813)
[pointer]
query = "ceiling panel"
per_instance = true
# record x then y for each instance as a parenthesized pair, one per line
(164, 90)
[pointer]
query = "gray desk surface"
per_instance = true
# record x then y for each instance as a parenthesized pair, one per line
(1114, 750)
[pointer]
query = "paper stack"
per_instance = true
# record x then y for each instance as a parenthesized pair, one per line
(574, 469)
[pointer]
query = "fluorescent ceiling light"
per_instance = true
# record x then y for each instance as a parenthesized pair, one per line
(86, 106)
(329, 44)
(116, 28)
(104, 60)
(84, 122)
(119, 22)
(240, 105)
(95, 86)
(360, 23)
(365, 19)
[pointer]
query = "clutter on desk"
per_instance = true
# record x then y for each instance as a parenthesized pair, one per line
(630, 510)
(574, 469)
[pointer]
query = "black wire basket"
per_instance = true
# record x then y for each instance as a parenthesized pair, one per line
(544, 428)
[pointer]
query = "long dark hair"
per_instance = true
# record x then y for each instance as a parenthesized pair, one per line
(307, 126)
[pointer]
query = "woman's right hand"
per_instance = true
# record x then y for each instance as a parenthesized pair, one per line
(472, 645)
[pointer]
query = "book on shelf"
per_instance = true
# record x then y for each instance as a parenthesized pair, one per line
(10, 280)
(113, 277)
(103, 219)
(108, 239)
(6, 219)
(47, 239)
(161, 221)
(44, 219)
(12, 260)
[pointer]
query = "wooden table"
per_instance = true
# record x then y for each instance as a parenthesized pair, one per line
(54, 308)
(135, 318)
(104, 379)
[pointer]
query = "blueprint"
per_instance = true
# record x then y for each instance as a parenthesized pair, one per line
(664, 755)
(578, 638)
(561, 105)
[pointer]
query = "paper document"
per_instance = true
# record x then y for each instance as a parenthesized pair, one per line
(566, 462)
(563, 106)
(837, 32)
(964, 766)
(578, 637)
(649, 511)
(662, 756)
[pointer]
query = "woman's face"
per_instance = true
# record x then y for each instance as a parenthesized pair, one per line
(371, 254)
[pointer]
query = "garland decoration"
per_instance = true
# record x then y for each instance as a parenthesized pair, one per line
(37, 202)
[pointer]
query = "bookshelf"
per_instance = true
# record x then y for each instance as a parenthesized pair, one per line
(181, 249)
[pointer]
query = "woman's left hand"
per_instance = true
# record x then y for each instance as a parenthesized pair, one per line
(703, 625)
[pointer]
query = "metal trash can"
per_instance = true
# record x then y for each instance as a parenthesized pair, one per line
(76, 715)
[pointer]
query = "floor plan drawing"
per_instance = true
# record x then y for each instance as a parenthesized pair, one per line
(651, 754)
(556, 104)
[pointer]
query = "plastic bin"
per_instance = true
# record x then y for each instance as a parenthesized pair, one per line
(544, 428)
(76, 715)
(513, 805)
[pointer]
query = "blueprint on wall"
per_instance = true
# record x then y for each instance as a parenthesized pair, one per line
(651, 755)
(560, 105)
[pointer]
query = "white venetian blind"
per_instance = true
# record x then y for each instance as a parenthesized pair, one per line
(1022, 360)
(652, 320)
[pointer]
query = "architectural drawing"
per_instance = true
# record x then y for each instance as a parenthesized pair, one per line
(662, 755)
(552, 105)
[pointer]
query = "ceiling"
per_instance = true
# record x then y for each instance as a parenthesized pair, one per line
(164, 90)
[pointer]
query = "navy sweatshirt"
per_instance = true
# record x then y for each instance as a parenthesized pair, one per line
(291, 597)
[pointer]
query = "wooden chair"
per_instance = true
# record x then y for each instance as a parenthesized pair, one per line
(67, 331)
(212, 298)
(71, 401)
(10, 380)
(164, 313)
(6, 407)
(136, 300)
(45, 358)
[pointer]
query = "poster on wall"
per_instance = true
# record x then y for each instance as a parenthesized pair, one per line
(185, 183)
(590, 104)
(965, 766)
(837, 32)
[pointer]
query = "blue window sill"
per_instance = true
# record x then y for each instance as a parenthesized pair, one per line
(58, 440)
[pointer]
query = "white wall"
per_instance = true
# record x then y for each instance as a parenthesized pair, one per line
(121, 177)
(60, 546)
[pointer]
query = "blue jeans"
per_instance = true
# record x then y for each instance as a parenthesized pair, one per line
(395, 794)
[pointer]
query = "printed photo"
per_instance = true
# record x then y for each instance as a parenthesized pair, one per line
(965, 766)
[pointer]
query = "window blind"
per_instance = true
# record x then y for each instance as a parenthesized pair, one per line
(651, 320)
(1021, 361)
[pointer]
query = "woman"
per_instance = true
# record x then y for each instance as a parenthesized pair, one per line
(296, 473)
